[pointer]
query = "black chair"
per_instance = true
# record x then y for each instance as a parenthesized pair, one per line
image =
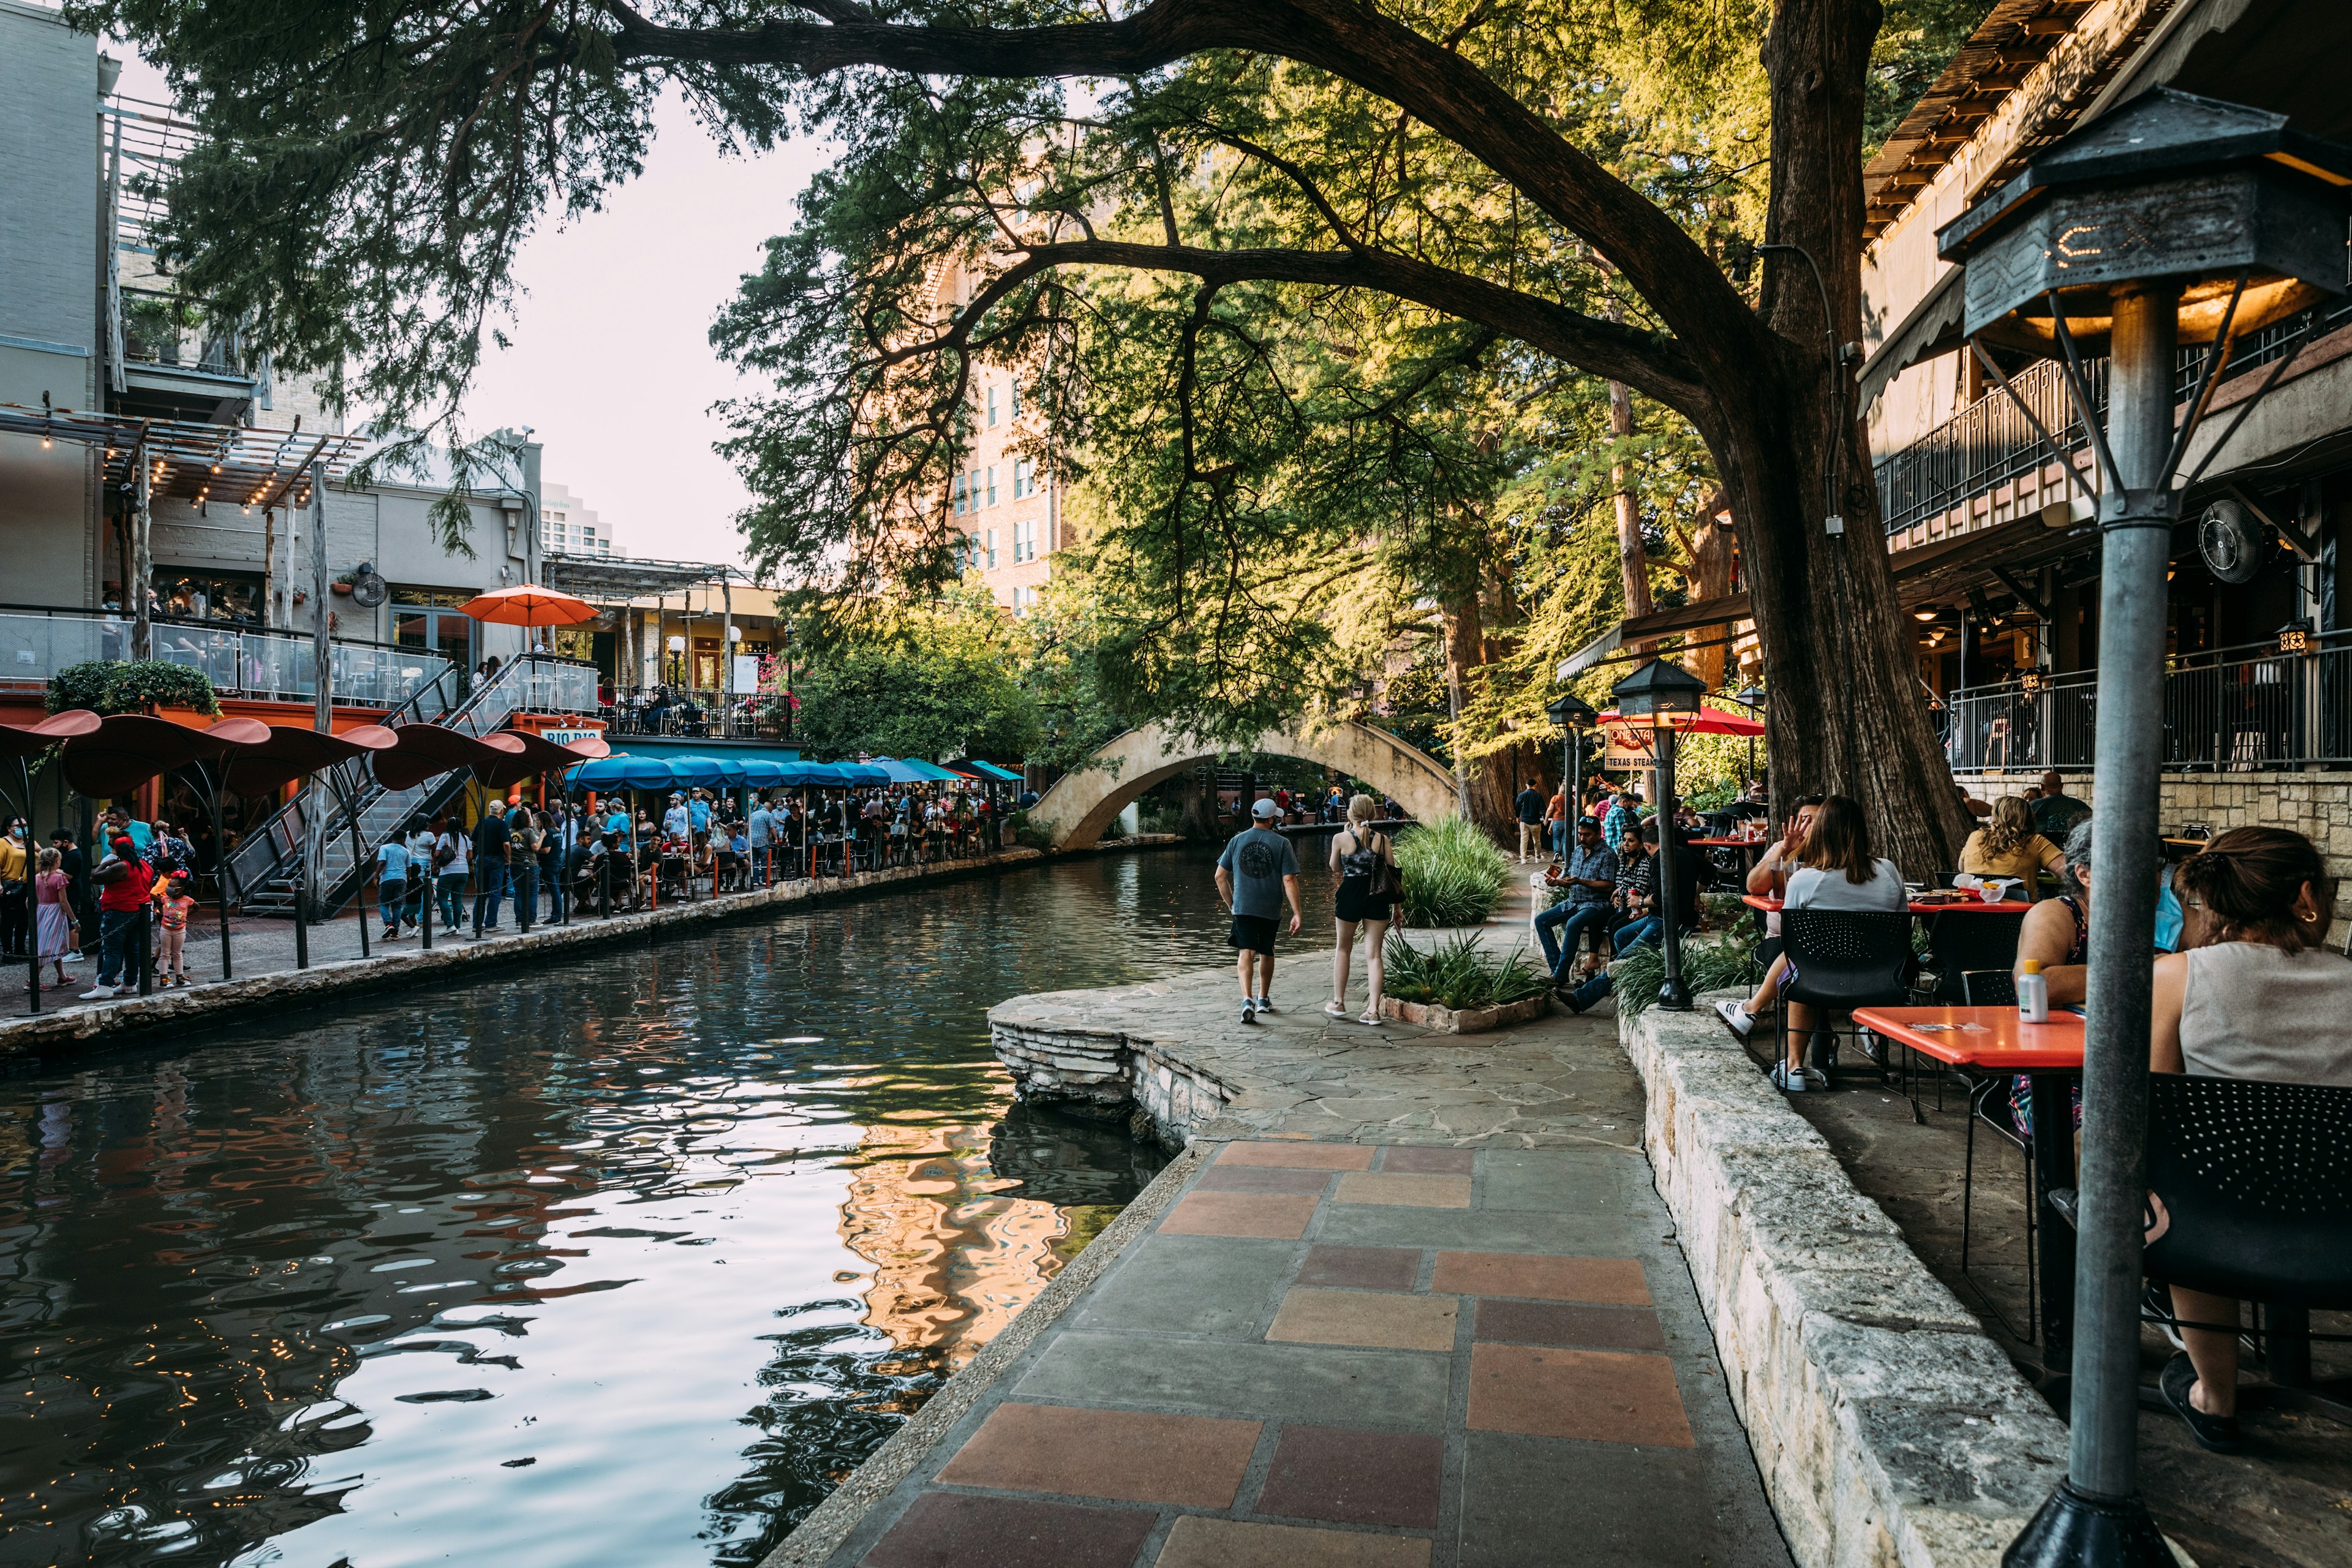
(1988, 1103)
(1958, 943)
(1843, 959)
(2255, 1181)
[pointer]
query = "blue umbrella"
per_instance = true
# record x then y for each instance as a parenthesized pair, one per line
(765, 773)
(623, 773)
(901, 773)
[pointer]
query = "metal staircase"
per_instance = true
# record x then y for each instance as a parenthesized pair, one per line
(265, 867)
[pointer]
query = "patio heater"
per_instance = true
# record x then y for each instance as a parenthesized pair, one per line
(1655, 698)
(1574, 715)
(2175, 219)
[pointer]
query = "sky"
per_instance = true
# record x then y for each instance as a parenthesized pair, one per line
(610, 363)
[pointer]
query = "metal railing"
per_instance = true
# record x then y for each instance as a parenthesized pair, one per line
(35, 645)
(697, 714)
(2238, 710)
(268, 856)
(1990, 442)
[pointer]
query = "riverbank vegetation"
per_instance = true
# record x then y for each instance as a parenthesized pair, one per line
(1454, 874)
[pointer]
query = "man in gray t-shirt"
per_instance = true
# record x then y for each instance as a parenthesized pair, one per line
(1256, 873)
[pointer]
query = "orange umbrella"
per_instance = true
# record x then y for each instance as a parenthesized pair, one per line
(528, 606)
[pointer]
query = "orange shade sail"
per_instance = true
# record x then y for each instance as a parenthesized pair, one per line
(1707, 722)
(528, 606)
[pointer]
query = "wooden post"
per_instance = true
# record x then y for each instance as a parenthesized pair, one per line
(322, 657)
(726, 655)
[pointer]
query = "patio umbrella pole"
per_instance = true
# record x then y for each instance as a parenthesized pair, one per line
(2096, 1516)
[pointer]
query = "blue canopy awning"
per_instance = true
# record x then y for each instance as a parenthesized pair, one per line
(621, 772)
(901, 773)
(990, 769)
(706, 773)
(765, 773)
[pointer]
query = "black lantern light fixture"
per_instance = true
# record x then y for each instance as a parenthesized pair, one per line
(1574, 715)
(2173, 219)
(1658, 696)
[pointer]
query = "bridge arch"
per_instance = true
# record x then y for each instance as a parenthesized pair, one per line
(1074, 811)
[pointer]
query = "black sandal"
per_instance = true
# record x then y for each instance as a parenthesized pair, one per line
(2217, 1434)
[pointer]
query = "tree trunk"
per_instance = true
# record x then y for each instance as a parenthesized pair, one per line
(1845, 716)
(1197, 816)
(1709, 576)
(1633, 555)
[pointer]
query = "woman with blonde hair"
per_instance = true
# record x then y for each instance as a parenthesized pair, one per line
(2008, 845)
(1363, 872)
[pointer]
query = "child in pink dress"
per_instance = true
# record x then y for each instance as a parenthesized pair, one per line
(54, 927)
(172, 967)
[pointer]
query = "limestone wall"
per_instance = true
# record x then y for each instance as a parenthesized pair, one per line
(2316, 804)
(1888, 1428)
(1110, 1075)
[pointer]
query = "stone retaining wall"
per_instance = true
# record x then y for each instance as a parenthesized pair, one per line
(1110, 1076)
(1888, 1427)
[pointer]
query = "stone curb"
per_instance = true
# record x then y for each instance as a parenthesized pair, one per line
(222, 1001)
(1888, 1427)
(830, 1523)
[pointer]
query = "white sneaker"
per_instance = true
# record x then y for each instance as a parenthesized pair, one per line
(1789, 1082)
(102, 994)
(1815, 1078)
(1249, 1009)
(1736, 1015)
(1265, 1004)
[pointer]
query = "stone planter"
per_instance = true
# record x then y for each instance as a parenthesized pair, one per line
(1446, 1021)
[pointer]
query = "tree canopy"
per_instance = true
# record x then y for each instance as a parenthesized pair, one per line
(1291, 271)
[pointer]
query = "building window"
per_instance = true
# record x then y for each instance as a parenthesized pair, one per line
(960, 496)
(1013, 398)
(1024, 599)
(1024, 482)
(992, 408)
(991, 550)
(991, 484)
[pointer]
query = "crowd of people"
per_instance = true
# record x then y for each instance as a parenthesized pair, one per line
(607, 856)
(133, 902)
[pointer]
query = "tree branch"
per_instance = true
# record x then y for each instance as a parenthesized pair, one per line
(1353, 42)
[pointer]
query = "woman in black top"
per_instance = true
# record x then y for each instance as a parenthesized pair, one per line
(1363, 867)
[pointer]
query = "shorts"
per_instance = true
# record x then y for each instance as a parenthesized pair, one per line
(1253, 933)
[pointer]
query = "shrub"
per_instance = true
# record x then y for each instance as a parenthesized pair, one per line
(103, 685)
(1454, 874)
(1724, 963)
(1458, 973)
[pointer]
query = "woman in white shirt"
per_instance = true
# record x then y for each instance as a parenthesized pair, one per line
(1838, 873)
(2262, 998)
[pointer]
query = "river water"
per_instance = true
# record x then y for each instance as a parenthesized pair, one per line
(625, 1259)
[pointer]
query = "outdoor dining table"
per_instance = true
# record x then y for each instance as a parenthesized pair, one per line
(1954, 907)
(1969, 945)
(1995, 1041)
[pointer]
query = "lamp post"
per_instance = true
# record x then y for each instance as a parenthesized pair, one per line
(2173, 219)
(1574, 715)
(1654, 698)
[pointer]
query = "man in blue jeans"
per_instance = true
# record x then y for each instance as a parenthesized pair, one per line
(1645, 930)
(490, 840)
(1589, 877)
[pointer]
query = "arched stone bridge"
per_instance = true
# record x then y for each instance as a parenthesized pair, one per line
(1075, 810)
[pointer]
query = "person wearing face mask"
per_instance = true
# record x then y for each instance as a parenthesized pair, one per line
(15, 920)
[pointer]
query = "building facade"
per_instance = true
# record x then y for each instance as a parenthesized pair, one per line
(1004, 505)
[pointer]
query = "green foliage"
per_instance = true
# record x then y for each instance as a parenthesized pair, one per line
(1915, 42)
(138, 686)
(1458, 973)
(1454, 874)
(1727, 962)
(932, 683)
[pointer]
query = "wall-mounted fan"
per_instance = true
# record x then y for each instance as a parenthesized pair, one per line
(368, 588)
(2231, 541)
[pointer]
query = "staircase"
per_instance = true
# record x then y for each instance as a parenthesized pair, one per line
(265, 867)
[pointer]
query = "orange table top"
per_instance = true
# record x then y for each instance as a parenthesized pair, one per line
(1958, 906)
(1994, 1038)
(1729, 843)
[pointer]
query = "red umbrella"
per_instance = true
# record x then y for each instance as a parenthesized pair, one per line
(1707, 722)
(24, 740)
(539, 756)
(428, 750)
(528, 606)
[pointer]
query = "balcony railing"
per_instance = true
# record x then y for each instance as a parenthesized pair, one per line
(37, 644)
(2242, 710)
(699, 715)
(1990, 442)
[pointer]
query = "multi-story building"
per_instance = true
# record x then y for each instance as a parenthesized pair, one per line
(1005, 503)
(568, 526)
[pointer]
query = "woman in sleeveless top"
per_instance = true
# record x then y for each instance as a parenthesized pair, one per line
(1363, 864)
(2261, 999)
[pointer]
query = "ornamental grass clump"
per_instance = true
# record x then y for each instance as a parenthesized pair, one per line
(1458, 973)
(1725, 964)
(1454, 874)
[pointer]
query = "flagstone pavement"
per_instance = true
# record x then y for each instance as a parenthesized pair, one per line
(1325, 1352)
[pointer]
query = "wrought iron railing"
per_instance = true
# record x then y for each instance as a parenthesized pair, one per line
(240, 662)
(2239, 709)
(696, 715)
(1990, 442)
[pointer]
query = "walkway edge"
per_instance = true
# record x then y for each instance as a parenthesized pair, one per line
(224, 1001)
(1888, 1427)
(829, 1524)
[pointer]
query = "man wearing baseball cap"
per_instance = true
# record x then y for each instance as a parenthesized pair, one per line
(1258, 872)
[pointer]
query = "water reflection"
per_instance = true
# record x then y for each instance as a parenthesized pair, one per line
(628, 1260)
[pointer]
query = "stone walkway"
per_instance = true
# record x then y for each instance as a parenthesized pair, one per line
(1344, 1328)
